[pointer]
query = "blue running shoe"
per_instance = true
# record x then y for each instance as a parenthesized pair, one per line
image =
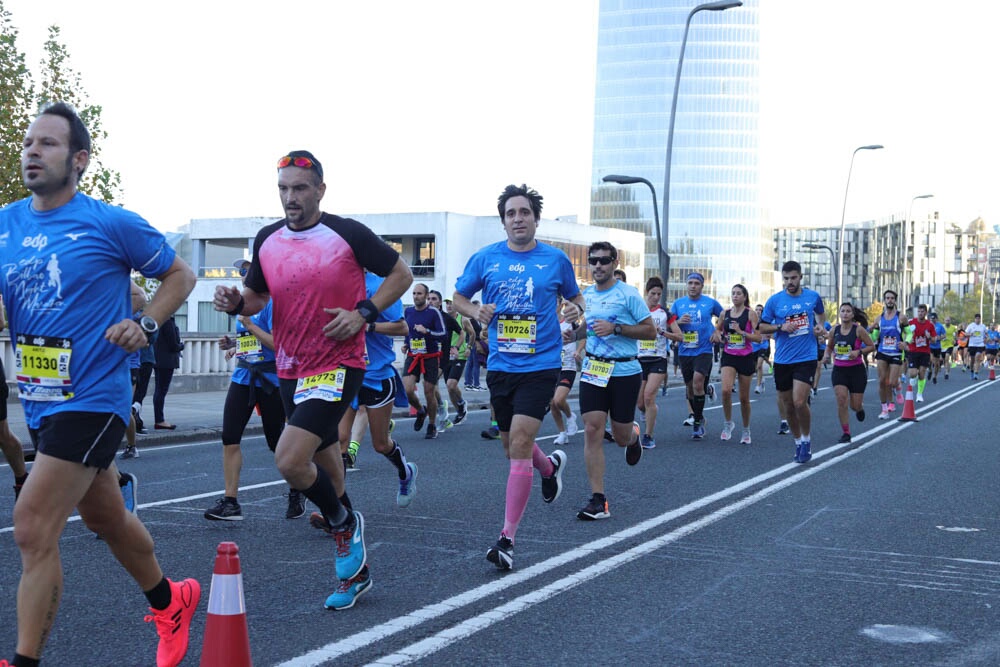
(698, 432)
(802, 453)
(128, 482)
(408, 486)
(351, 553)
(349, 590)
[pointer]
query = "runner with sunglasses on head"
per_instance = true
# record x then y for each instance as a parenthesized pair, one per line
(888, 352)
(694, 314)
(311, 266)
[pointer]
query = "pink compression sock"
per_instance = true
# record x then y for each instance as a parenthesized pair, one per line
(518, 490)
(541, 462)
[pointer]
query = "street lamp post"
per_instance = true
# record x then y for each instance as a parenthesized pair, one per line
(843, 212)
(906, 286)
(661, 252)
(833, 260)
(712, 7)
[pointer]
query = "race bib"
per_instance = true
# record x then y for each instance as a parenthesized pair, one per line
(418, 346)
(596, 372)
(690, 339)
(736, 341)
(890, 342)
(842, 352)
(248, 348)
(42, 368)
(647, 346)
(516, 334)
(801, 323)
(328, 386)
(920, 341)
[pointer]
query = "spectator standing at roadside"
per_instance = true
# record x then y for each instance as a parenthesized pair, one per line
(167, 348)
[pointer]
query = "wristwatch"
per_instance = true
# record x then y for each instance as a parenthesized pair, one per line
(618, 330)
(148, 325)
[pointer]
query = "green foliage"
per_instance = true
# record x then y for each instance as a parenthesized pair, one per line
(874, 311)
(20, 102)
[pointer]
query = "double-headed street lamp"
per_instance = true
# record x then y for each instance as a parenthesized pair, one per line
(710, 7)
(843, 212)
(906, 287)
(661, 252)
(833, 261)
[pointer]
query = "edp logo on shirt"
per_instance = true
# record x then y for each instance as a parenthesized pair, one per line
(37, 242)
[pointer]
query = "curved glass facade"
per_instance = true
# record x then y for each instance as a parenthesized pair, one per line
(715, 224)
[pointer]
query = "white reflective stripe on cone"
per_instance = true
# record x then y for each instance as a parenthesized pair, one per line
(226, 598)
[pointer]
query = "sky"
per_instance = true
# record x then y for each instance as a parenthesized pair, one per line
(438, 105)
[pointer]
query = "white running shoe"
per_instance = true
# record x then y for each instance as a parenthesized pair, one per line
(727, 430)
(745, 439)
(561, 439)
(757, 389)
(689, 421)
(571, 427)
(884, 414)
(920, 398)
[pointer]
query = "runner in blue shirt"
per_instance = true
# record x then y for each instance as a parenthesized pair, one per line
(521, 280)
(617, 317)
(68, 260)
(888, 352)
(694, 314)
(937, 355)
(795, 316)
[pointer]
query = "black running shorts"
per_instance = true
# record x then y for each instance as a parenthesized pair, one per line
(90, 438)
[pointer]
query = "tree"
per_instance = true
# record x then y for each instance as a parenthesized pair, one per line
(874, 312)
(17, 95)
(19, 102)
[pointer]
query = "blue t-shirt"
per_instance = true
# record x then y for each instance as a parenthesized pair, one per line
(992, 339)
(889, 334)
(939, 331)
(697, 332)
(378, 347)
(800, 345)
(264, 321)
(64, 276)
(524, 333)
(620, 304)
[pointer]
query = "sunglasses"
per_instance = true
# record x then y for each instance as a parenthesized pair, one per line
(603, 261)
(303, 162)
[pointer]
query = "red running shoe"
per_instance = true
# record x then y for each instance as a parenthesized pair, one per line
(173, 624)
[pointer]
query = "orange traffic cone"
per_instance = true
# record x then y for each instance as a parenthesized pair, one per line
(227, 640)
(909, 412)
(993, 375)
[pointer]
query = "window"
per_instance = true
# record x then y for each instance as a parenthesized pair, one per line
(181, 317)
(210, 320)
(395, 242)
(423, 256)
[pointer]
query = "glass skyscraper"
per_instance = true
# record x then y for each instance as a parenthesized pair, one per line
(715, 221)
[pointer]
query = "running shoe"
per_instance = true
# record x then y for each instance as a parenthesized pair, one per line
(802, 453)
(349, 462)
(130, 452)
(596, 509)
(296, 504)
(351, 553)
(571, 426)
(349, 590)
(648, 442)
(561, 439)
(844, 438)
(757, 389)
(784, 428)
(633, 451)
(552, 486)
(815, 392)
(317, 521)
(432, 432)
(860, 414)
(945, 376)
(698, 431)
(608, 437)
(975, 376)
(418, 423)
(710, 391)
(727, 430)
(501, 554)
(445, 425)
(892, 407)
(690, 419)
(745, 438)
(128, 482)
(934, 380)
(408, 486)
(463, 411)
(173, 624)
(492, 433)
(226, 509)
(920, 398)
(884, 414)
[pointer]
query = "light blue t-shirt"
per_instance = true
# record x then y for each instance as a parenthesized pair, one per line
(264, 321)
(939, 331)
(620, 304)
(378, 347)
(524, 333)
(800, 345)
(64, 274)
(697, 332)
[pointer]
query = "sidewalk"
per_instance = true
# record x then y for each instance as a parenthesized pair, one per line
(198, 416)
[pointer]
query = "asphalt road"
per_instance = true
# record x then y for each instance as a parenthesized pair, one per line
(881, 552)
